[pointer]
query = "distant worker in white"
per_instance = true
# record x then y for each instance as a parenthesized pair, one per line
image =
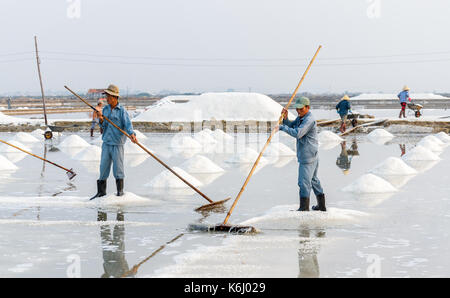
(304, 129)
(404, 98)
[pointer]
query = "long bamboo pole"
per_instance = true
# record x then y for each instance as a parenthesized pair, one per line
(38, 62)
(268, 140)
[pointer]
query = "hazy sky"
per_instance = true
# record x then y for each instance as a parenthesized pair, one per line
(215, 45)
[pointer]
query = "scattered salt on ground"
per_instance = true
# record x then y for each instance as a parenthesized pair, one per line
(73, 141)
(6, 165)
(230, 106)
(380, 133)
(247, 156)
(279, 149)
(201, 164)
(329, 136)
(5, 119)
(443, 137)
(89, 153)
(430, 145)
(286, 217)
(128, 198)
(24, 137)
(420, 153)
(168, 180)
(221, 136)
(139, 135)
(393, 166)
(183, 141)
(369, 183)
(205, 137)
(10, 149)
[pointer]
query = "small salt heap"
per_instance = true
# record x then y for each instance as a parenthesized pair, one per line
(221, 136)
(247, 156)
(327, 136)
(380, 133)
(24, 137)
(370, 183)
(393, 166)
(183, 141)
(168, 180)
(200, 164)
(279, 149)
(131, 148)
(420, 153)
(90, 153)
(6, 165)
(139, 135)
(38, 133)
(205, 137)
(9, 149)
(73, 141)
(431, 143)
(445, 138)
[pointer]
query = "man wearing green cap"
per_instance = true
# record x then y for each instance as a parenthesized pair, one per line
(304, 129)
(113, 141)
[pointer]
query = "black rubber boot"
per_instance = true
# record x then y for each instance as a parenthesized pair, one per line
(320, 203)
(304, 204)
(92, 133)
(101, 189)
(119, 184)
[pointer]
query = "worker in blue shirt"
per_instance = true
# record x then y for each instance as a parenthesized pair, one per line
(404, 98)
(113, 141)
(304, 129)
(343, 107)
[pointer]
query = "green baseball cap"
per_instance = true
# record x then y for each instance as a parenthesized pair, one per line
(301, 102)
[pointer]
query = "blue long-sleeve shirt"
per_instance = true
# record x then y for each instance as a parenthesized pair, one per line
(120, 117)
(403, 96)
(304, 129)
(343, 107)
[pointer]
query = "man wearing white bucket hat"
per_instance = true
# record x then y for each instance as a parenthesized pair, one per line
(304, 129)
(113, 141)
(403, 97)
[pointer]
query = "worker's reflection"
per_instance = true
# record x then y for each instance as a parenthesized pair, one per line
(402, 149)
(308, 265)
(344, 159)
(113, 246)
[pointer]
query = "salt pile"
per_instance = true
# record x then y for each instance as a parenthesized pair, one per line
(139, 135)
(6, 165)
(9, 149)
(393, 166)
(38, 133)
(128, 199)
(24, 137)
(183, 141)
(369, 183)
(445, 138)
(90, 153)
(327, 136)
(279, 149)
(131, 148)
(435, 139)
(168, 180)
(73, 141)
(229, 106)
(380, 133)
(201, 164)
(205, 137)
(420, 153)
(221, 136)
(247, 156)
(430, 145)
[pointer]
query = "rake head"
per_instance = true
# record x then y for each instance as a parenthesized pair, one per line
(221, 228)
(71, 174)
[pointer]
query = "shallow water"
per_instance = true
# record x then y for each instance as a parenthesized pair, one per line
(48, 226)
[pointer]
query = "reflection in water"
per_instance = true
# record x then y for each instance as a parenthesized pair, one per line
(402, 149)
(344, 161)
(113, 246)
(308, 265)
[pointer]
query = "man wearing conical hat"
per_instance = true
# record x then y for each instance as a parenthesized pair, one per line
(113, 141)
(342, 108)
(304, 129)
(404, 98)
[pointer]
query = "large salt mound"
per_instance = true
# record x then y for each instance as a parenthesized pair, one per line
(430, 145)
(89, 153)
(247, 156)
(279, 149)
(168, 180)
(229, 106)
(443, 137)
(221, 136)
(201, 164)
(9, 149)
(205, 137)
(6, 165)
(286, 217)
(369, 183)
(380, 133)
(420, 153)
(24, 137)
(393, 166)
(435, 139)
(184, 141)
(329, 136)
(73, 141)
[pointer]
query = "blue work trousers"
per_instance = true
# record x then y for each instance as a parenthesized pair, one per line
(307, 179)
(111, 154)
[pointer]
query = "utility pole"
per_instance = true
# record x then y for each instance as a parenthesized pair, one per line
(40, 79)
